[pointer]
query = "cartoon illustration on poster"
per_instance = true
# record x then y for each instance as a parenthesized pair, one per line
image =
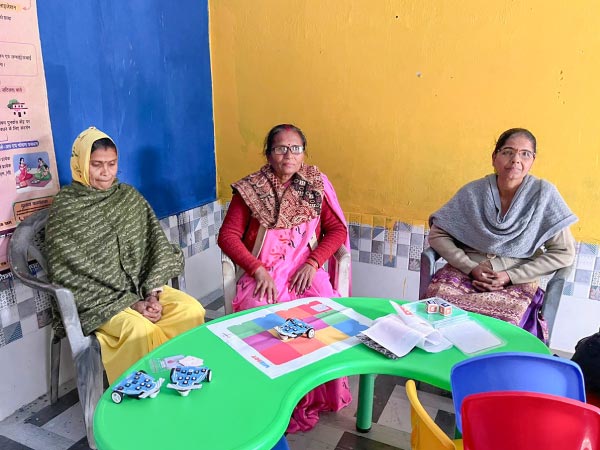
(28, 175)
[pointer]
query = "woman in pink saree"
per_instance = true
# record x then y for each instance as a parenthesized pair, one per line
(283, 223)
(24, 174)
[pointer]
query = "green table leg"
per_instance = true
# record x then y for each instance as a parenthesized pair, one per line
(364, 412)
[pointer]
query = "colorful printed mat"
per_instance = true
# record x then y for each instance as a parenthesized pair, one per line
(254, 337)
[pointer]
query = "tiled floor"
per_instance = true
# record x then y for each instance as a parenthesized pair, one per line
(41, 426)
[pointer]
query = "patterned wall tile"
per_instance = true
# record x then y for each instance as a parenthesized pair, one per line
(402, 262)
(404, 237)
(583, 277)
(9, 315)
(389, 248)
(402, 250)
(13, 332)
(29, 323)
(403, 226)
(377, 259)
(366, 232)
(44, 317)
(26, 308)
(364, 245)
(585, 261)
(568, 288)
(389, 260)
(377, 247)
(391, 236)
(588, 249)
(594, 292)
(364, 257)
(378, 234)
(8, 298)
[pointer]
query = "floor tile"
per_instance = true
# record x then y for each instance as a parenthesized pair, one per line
(9, 444)
(69, 424)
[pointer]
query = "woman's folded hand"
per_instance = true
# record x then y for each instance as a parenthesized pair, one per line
(486, 279)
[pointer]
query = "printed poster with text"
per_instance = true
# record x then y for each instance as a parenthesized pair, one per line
(28, 175)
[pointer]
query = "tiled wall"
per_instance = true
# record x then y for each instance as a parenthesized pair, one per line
(381, 241)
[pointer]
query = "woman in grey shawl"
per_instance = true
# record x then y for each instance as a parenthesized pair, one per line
(499, 234)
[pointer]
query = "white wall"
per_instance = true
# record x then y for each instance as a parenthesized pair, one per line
(25, 370)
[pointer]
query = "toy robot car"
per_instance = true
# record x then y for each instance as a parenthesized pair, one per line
(292, 328)
(187, 378)
(137, 384)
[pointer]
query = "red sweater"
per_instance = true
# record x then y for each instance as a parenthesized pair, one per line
(238, 234)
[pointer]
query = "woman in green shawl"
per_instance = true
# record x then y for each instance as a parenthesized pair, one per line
(104, 243)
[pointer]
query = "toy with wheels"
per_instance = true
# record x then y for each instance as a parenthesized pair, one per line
(293, 328)
(187, 378)
(138, 384)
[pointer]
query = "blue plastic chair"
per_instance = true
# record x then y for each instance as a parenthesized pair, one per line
(282, 444)
(512, 371)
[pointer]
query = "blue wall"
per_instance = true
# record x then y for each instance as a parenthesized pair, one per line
(140, 71)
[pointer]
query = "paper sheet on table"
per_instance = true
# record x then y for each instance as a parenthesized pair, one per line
(400, 333)
(471, 337)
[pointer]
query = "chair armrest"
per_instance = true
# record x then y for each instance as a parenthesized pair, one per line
(341, 271)
(65, 301)
(229, 282)
(553, 295)
(428, 258)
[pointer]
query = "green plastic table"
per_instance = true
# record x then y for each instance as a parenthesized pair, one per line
(242, 408)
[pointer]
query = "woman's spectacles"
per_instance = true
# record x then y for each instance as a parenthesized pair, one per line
(283, 149)
(509, 152)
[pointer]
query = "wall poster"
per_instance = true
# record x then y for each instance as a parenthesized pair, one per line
(28, 175)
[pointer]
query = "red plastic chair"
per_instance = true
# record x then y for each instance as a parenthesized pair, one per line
(512, 420)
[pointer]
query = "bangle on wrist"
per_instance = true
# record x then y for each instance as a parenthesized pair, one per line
(311, 262)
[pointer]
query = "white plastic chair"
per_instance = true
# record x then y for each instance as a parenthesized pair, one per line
(339, 273)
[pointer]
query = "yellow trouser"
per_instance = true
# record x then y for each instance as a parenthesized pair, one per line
(128, 335)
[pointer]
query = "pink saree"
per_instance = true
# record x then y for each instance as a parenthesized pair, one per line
(282, 253)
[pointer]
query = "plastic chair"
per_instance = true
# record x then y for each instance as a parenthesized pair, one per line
(426, 434)
(552, 296)
(282, 444)
(339, 273)
(26, 243)
(526, 420)
(511, 371)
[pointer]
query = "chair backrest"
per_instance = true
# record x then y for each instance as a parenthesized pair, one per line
(525, 420)
(426, 434)
(27, 242)
(512, 371)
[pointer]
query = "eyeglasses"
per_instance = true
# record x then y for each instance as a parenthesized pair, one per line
(509, 152)
(283, 149)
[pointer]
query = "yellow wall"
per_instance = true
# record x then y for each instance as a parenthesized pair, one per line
(402, 100)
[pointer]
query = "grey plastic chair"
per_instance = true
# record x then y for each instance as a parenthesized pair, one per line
(27, 243)
(339, 272)
(554, 287)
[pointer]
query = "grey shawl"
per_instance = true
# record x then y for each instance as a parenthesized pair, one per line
(473, 217)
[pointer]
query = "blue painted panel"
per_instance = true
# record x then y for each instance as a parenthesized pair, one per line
(140, 71)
